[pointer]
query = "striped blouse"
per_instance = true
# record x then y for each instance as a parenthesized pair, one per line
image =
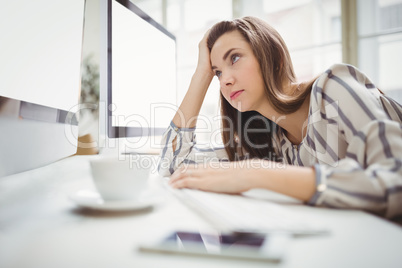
(353, 140)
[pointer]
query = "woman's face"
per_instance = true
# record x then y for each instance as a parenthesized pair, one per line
(238, 71)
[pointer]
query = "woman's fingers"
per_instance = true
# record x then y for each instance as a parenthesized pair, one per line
(188, 182)
(205, 38)
(215, 177)
(183, 172)
(204, 61)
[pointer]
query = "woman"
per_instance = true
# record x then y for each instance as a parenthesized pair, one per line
(334, 141)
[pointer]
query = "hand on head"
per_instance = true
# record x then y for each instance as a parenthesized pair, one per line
(204, 61)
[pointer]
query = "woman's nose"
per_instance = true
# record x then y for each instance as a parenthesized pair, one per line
(227, 80)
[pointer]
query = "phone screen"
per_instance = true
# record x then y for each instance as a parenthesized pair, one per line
(238, 245)
(215, 242)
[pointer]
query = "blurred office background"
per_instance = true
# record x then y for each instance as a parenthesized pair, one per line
(365, 33)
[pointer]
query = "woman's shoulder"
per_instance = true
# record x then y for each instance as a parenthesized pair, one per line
(342, 71)
(341, 80)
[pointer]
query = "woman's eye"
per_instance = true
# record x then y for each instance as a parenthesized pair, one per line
(235, 58)
(218, 74)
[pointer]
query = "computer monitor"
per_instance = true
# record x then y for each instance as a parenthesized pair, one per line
(138, 75)
(40, 62)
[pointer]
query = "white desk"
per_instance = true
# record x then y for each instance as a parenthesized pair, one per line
(40, 227)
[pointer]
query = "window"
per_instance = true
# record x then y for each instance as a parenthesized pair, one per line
(380, 43)
(310, 28)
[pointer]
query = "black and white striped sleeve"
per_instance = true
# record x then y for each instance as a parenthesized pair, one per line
(186, 150)
(369, 175)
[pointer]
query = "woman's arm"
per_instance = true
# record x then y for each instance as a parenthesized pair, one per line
(368, 145)
(189, 109)
(297, 182)
(179, 139)
(237, 177)
(186, 115)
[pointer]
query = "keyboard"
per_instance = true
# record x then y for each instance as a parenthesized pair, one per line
(240, 214)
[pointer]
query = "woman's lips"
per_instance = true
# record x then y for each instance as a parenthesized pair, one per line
(235, 94)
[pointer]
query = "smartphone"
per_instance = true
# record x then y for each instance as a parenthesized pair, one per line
(267, 247)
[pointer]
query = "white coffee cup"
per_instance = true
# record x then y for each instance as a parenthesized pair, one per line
(119, 179)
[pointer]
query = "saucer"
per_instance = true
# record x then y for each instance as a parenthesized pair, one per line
(91, 199)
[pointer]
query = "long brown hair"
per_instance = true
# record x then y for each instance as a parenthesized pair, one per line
(276, 68)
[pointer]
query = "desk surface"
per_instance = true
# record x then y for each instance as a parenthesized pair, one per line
(41, 227)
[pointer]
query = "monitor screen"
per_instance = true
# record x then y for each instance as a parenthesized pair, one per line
(41, 42)
(40, 65)
(141, 73)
